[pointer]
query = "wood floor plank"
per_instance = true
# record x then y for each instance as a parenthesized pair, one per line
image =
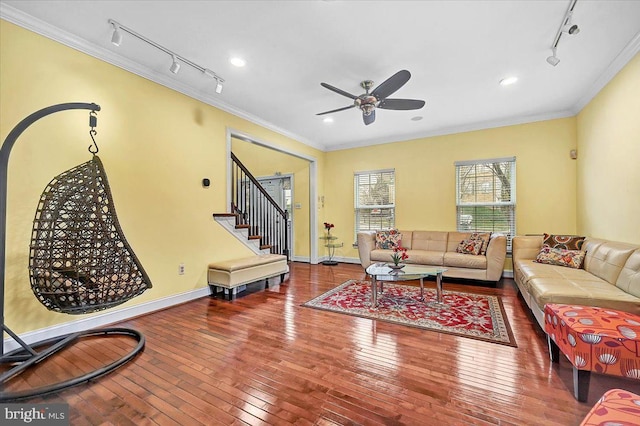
(263, 359)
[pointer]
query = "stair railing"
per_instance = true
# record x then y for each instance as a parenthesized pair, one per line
(257, 209)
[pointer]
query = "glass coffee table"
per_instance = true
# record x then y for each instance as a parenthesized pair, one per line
(382, 272)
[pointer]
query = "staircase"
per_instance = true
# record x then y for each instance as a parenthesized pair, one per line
(255, 218)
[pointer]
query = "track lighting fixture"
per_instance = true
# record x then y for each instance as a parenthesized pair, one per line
(566, 27)
(553, 59)
(175, 66)
(116, 39)
(570, 28)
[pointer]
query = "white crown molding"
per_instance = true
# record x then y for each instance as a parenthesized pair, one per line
(106, 318)
(45, 29)
(458, 129)
(623, 58)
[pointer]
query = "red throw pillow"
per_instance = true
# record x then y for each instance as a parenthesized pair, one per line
(561, 257)
(469, 247)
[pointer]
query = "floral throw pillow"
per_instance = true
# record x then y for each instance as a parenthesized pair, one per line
(485, 237)
(469, 246)
(561, 257)
(567, 242)
(388, 240)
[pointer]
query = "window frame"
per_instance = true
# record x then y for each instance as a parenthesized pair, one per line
(462, 206)
(358, 207)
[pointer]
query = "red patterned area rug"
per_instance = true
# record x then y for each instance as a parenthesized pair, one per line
(476, 316)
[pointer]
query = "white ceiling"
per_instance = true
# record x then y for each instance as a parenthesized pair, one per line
(456, 51)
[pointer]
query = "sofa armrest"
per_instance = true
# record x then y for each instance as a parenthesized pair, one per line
(526, 247)
(496, 255)
(366, 243)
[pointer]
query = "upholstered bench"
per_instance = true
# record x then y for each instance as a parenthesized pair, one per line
(606, 341)
(228, 276)
(616, 407)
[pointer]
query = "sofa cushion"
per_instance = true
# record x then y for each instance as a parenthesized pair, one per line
(426, 257)
(567, 242)
(485, 237)
(454, 239)
(429, 240)
(629, 278)
(469, 246)
(465, 261)
(561, 257)
(406, 238)
(381, 255)
(594, 292)
(526, 270)
(605, 260)
(388, 239)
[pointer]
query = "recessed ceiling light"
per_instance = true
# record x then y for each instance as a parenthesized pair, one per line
(238, 62)
(416, 118)
(508, 81)
(328, 120)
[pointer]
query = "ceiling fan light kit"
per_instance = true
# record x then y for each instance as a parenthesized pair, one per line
(378, 98)
(116, 39)
(566, 27)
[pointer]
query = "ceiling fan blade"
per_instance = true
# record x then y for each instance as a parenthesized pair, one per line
(401, 104)
(336, 110)
(339, 91)
(391, 84)
(368, 119)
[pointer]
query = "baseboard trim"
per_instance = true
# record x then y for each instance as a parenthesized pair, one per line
(105, 318)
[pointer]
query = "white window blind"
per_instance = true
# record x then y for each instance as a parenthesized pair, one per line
(374, 199)
(486, 196)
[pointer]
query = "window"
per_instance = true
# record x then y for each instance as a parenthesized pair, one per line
(375, 199)
(486, 196)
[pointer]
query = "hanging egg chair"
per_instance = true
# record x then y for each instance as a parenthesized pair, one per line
(80, 261)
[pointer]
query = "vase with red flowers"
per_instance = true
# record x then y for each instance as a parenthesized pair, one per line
(399, 255)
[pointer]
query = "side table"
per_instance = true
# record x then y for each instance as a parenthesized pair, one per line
(331, 244)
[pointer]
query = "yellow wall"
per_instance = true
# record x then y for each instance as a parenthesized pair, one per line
(608, 159)
(425, 177)
(262, 161)
(156, 146)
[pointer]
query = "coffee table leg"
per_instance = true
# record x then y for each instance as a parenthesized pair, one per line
(374, 291)
(421, 289)
(438, 287)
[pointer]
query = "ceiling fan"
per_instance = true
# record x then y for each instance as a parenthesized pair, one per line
(368, 102)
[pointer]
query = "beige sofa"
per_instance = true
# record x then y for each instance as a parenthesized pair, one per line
(610, 277)
(437, 248)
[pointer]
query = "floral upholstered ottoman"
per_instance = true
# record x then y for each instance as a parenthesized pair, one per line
(616, 407)
(593, 339)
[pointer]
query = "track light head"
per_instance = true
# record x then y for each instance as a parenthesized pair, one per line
(175, 66)
(553, 59)
(116, 38)
(571, 29)
(568, 27)
(218, 86)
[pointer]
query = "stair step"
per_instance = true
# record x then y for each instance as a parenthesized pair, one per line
(243, 226)
(225, 215)
(265, 246)
(254, 237)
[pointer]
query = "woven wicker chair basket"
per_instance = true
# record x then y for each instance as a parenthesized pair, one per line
(80, 261)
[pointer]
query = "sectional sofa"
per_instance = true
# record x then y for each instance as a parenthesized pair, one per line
(439, 248)
(609, 276)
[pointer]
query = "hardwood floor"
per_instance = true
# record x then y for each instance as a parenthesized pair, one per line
(264, 359)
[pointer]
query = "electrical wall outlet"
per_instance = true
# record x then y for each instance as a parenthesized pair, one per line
(181, 269)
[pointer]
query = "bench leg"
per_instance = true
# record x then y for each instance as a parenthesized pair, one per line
(282, 278)
(554, 350)
(581, 384)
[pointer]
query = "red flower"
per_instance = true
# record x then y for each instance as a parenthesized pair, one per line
(399, 254)
(328, 226)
